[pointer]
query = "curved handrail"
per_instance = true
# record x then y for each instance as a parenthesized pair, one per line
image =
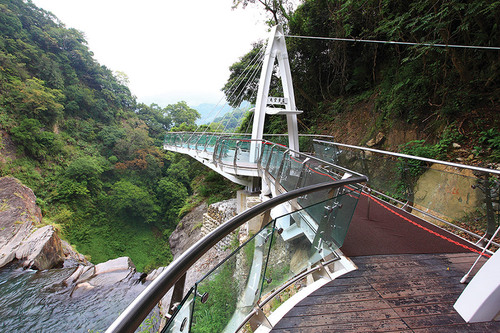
(139, 309)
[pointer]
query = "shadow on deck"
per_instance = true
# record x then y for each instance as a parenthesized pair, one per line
(408, 279)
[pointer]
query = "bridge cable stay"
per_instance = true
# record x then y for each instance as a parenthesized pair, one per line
(239, 80)
(220, 106)
(356, 40)
(239, 98)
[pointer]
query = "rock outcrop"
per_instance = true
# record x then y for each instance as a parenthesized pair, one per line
(22, 237)
(188, 231)
(108, 273)
(41, 250)
(38, 248)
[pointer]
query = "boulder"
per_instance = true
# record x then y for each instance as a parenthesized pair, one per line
(377, 140)
(108, 273)
(41, 250)
(19, 238)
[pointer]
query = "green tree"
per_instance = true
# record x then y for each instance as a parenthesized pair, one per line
(35, 141)
(242, 83)
(279, 10)
(132, 202)
(172, 195)
(34, 100)
(180, 113)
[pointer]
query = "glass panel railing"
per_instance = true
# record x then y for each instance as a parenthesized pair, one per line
(291, 171)
(181, 319)
(274, 162)
(439, 193)
(227, 294)
(285, 247)
(243, 151)
(307, 236)
(266, 153)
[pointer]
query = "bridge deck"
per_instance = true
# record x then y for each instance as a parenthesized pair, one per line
(407, 281)
(389, 293)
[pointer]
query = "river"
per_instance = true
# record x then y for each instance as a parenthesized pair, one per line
(37, 301)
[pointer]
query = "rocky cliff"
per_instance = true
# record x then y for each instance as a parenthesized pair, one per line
(21, 236)
(25, 240)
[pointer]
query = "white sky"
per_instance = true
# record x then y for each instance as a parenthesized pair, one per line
(170, 50)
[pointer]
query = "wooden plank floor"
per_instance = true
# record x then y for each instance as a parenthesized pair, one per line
(389, 293)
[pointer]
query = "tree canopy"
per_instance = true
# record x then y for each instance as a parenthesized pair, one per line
(409, 82)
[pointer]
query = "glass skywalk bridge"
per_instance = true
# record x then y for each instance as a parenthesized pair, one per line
(302, 227)
(302, 232)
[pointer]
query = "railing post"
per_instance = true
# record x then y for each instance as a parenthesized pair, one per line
(235, 154)
(214, 154)
(269, 160)
(177, 294)
(280, 169)
(302, 174)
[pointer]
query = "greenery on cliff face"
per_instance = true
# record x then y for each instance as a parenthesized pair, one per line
(433, 88)
(71, 130)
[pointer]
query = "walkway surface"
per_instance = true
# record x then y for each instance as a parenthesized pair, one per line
(389, 293)
(379, 228)
(408, 279)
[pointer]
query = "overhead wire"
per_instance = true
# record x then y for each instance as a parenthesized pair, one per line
(355, 40)
(235, 87)
(240, 96)
(220, 106)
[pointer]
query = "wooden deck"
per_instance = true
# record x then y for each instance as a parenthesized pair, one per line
(389, 293)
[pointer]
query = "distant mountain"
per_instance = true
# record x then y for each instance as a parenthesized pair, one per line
(209, 112)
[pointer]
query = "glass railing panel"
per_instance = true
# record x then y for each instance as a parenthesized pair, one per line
(181, 319)
(328, 153)
(227, 151)
(305, 237)
(266, 153)
(315, 173)
(463, 197)
(275, 162)
(227, 294)
(290, 174)
(243, 151)
(333, 217)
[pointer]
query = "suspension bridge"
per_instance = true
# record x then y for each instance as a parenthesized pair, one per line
(327, 209)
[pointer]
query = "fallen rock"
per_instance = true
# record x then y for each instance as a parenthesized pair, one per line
(18, 214)
(41, 250)
(108, 273)
(71, 257)
(376, 141)
(19, 237)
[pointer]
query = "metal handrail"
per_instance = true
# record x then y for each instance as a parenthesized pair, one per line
(314, 158)
(423, 159)
(138, 310)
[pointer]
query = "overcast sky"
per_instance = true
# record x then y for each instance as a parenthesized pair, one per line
(170, 50)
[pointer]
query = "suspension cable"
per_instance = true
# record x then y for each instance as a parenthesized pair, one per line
(355, 40)
(240, 80)
(240, 96)
(221, 106)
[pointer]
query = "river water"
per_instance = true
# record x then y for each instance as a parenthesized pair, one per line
(36, 301)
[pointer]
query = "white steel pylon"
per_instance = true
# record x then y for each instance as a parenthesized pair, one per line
(276, 50)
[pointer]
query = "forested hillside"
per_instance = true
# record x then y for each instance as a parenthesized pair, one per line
(443, 94)
(71, 130)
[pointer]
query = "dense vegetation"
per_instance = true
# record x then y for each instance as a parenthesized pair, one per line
(71, 130)
(434, 88)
